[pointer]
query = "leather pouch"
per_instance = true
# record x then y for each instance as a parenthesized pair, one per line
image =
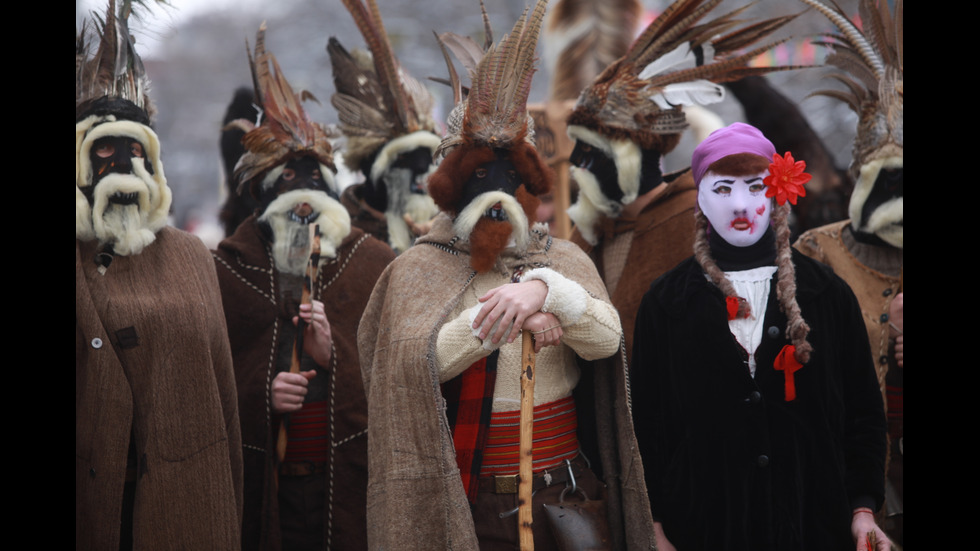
(579, 524)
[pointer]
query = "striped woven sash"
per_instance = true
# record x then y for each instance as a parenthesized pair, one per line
(554, 438)
(308, 433)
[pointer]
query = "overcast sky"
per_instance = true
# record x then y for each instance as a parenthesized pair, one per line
(165, 19)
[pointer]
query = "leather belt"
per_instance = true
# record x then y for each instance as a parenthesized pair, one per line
(302, 468)
(507, 484)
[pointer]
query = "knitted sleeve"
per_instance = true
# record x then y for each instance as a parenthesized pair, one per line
(458, 345)
(590, 326)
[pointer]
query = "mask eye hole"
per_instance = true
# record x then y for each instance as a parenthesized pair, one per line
(288, 174)
(136, 149)
(723, 190)
(105, 150)
(892, 180)
(481, 173)
(756, 188)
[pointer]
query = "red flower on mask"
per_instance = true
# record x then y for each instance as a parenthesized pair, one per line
(786, 179)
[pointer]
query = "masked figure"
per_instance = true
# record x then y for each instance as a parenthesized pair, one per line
(313, 496)
(237, 206)
(158, 459)
(386, 116)
(634, 221)
(760, 426)
(867, 249)
(441, 350)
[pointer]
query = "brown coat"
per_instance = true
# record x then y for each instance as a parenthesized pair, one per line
(874, 290)
(415, 493)
(363, 216)
(663, 236)
(255, 321)
(152, 362)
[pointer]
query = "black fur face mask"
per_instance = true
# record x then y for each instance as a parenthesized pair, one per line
(593, 159)
(497, 175)
(114, 155)
(301, 173)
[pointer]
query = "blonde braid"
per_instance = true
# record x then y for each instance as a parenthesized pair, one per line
(796, 327)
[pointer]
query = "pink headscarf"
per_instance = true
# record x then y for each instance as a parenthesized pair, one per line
(731, 140)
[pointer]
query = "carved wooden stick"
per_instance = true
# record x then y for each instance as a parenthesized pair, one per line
(525, 489)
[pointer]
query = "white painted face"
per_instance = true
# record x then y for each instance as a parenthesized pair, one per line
(736, 206)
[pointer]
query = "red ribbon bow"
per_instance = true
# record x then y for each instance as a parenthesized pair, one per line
(731, 304)
(786, 362)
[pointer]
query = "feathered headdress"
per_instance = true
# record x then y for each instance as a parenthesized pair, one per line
(494, 112)
(285, 131)
(376, 100)
(871, 64)
(493, 116)
(583, 37)
(676, 61)
(113, 72)
(111, 99)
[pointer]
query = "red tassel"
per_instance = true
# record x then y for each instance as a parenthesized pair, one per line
(786, 362)
(731, 303)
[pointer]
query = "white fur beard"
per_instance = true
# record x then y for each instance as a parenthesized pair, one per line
(591, 202)
(291, 239)
(590, 205)
(473, 212)
(886, 221)
(127, 227)
(401, 201)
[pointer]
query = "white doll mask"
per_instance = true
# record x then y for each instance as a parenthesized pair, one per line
(736, 206)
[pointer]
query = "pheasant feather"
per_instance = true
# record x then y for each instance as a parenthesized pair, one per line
(377, 99)
(284, 131)
(114, 69)
(494, 112)
(582, 37)
(870, 64)
(679, 59)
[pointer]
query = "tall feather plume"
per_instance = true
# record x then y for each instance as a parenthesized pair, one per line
(114, 69)
(468, 52)
(679, 59)
(853, 38)
(376, 99)
(582, 37)
(870, 63)
(285, 130)
(496, 110)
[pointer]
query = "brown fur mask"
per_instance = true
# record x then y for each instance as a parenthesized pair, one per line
(446, 184)
(488, 238)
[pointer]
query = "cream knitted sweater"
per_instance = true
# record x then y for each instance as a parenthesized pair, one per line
(590, 326)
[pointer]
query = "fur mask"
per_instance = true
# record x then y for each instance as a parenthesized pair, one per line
(131, 226)
(290, 235)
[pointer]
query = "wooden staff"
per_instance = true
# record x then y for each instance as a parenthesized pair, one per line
(525, 488)
(312, 264)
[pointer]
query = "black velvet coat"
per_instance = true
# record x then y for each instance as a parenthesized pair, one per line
(730, 464)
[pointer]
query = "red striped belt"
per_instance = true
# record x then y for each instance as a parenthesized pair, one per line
(554, 438)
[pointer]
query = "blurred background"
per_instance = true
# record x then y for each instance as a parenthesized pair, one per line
(195, 56)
